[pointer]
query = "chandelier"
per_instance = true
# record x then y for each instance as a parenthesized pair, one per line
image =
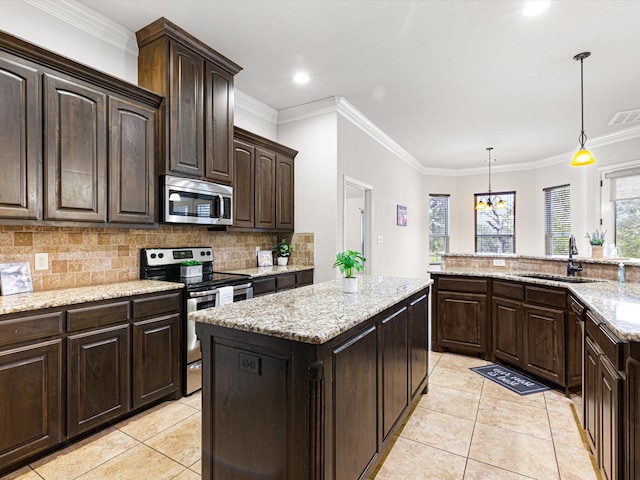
(487, 202)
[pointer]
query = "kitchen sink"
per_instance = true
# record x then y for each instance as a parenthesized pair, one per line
(559, 278)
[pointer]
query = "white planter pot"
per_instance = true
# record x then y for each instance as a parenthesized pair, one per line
(282, 261)
(190, 270)
(350, 285)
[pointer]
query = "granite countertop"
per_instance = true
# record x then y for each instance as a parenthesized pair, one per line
(266, 271)
(23, 302)
(617, 305)
(313, 314)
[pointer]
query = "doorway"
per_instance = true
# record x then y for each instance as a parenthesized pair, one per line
(357, 219)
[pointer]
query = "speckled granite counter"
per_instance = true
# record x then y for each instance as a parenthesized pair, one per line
(266, 271)
(23, 302)
(313, 314)
(616, 305)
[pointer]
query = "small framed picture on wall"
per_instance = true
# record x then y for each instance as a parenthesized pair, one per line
(402, 216)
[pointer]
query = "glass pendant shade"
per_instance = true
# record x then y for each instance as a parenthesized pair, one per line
(582, 157)
(501, 204)
(481, 205)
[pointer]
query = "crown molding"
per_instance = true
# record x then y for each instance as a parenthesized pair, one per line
(341, 106)
(88, 20)
(246, 102)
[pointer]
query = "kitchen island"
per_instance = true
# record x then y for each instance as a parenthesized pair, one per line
(311, 383)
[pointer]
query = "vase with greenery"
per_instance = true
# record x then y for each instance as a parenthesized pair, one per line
(191, 268)
(349, 262)
(283, 251)
(596, 239)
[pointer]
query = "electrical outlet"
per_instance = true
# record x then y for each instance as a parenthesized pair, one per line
(380, 239)
(42, 261)
(499, 262)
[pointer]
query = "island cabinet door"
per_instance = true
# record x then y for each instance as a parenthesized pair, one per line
(632, 406)
(418, 343)
(395, 369)
(355, 404)
(507, 330)
(462, 322)
(543, 338)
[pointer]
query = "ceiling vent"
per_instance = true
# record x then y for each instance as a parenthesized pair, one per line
(628, 116)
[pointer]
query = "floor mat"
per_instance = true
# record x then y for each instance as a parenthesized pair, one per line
(514, 381)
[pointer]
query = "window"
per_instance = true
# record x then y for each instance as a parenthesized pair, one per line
(438, 227)
(557, 220)
(624, 194)
(496, 227)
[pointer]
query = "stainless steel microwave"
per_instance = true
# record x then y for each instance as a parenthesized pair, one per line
(192, 201)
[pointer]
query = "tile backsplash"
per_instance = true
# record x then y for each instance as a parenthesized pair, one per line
(92, 256)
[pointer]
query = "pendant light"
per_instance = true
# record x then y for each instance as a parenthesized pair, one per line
(583, 156)
(488, 204)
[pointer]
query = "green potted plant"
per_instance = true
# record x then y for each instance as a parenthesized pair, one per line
(596, 239)
(191, 268)
(283, 251)
(349, 262)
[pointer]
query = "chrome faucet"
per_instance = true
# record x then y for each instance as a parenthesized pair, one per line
(573, 250)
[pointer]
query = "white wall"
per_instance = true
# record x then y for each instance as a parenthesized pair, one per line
(403, 252)
(528, 185)
(36, 26)
(316, 190)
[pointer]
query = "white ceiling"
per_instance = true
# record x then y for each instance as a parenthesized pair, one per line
(443, 78)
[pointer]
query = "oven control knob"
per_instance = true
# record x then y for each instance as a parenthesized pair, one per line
(153, 255)
(202, 253)
(208, 253)
(160, 255)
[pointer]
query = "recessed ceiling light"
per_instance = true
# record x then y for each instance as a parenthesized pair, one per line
(535, 7)
(301, 78)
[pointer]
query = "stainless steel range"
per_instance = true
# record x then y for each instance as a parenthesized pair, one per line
(202, 291)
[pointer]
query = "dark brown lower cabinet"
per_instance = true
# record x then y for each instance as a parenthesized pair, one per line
(287, 410)
(462, 322)
(284, 281)
(507, 329)
(418, 343)
(395, 368)
(31, 418)
(156, 359)
(604, 401)
(632, 413)
(117, 356)
(543, 341)
(98, 378)
(356, 404)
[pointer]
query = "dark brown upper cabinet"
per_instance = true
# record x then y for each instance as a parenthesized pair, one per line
(263, 179)
(196, 129)
(78, 146)
(75, 151)
(20, 137)
(132, 158)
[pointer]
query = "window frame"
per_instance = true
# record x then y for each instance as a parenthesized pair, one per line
(549, 236)
(608, 220)
(494, 195)
(446, 236)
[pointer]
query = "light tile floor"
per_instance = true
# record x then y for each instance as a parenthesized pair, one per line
(466, 428)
